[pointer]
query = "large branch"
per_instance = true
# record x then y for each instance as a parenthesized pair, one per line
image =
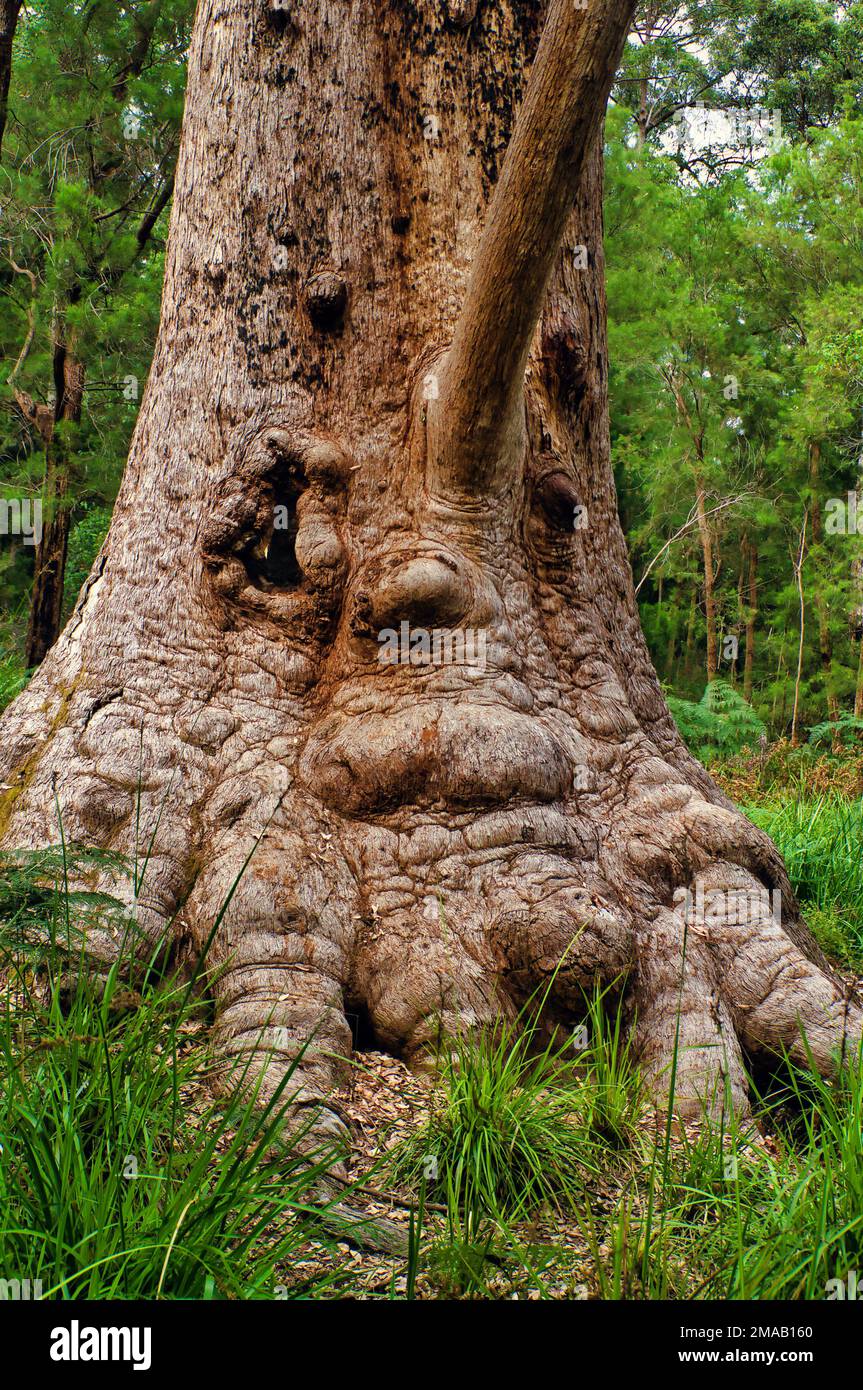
(477, 418)
(156, 208)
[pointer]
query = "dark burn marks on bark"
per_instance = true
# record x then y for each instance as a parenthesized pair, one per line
(282, 17)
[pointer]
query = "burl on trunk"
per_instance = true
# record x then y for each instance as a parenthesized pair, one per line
(364, 622)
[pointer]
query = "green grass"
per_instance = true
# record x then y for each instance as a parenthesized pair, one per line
(712, 1213)
(13, 678)
(120, 1176)
(821, 839)
(509, 1128)
(741, 1220)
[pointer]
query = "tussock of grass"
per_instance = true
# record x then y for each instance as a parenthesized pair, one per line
(509, 1129)
(518, 1123)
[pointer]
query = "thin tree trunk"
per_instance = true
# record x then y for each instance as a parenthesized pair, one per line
(798, 575)
(741, 617)
(780, 685)
(822, 612)
(706, 538)
(690, 635)
(751, 619)
(9, 12)
(46, 601)
(642, 112)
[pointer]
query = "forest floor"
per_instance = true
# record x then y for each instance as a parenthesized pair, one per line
(513, 1174)
(544, 1256)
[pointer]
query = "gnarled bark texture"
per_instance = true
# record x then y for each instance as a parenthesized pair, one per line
(379, 396)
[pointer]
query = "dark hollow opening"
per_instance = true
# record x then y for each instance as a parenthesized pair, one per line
(272, 560)
(360, 1024)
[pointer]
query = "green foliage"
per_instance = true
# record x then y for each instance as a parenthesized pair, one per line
(720, 1215)
(518, 1122)
(13, 678)
(85, 542)
(612, 1083)
(843, 732)
(838, 933)
(94, 112)
(720, 723)
(734, 310)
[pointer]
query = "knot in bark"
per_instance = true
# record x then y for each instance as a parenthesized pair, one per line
(326, 300)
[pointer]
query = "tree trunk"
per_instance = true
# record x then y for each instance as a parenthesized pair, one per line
(377, 415)
(741, 615)
(9, 11)
(46, 600)
(690, 633)
(822, 609)
(798, 576)
(706, 538)
(751, 618)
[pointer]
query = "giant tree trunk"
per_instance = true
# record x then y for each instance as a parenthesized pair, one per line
(378, 398)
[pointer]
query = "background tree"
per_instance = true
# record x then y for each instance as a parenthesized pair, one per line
(9, 11)
(753, 280)
(97, 100)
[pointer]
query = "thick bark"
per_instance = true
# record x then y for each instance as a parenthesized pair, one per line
(420, 844)
(479, 418)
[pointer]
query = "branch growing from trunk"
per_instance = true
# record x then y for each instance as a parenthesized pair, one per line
(477, 420)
